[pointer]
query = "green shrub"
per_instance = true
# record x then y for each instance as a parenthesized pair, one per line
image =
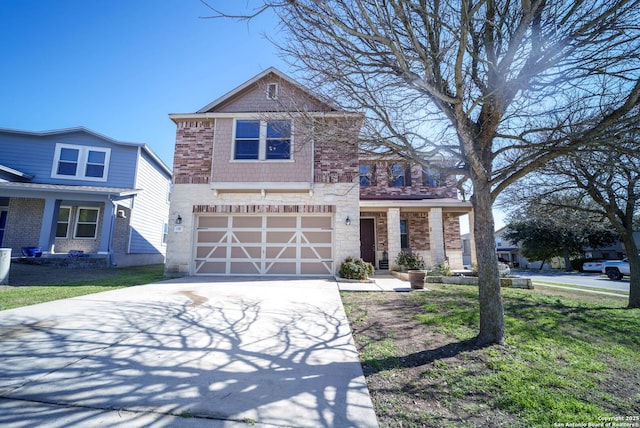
(442, 270)
(410, 261)
(356, 269)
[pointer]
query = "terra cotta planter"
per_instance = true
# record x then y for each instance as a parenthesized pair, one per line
(416, 278)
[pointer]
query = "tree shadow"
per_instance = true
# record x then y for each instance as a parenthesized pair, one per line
(191, 352)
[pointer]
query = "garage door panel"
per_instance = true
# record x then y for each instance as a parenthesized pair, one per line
(281, 268)
(246, 222)
(283, 237)
(281, 252)
(317, 237)
(245, 252)
(316, 252)
(247, 237)
(244, 268)
(282, 222)
(207, 252)
(264, 244)
(316, 269)
(315, 222)
(211, 267)
(216, 222)
(211, 236)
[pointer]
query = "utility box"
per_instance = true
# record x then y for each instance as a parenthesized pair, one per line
(5, 265)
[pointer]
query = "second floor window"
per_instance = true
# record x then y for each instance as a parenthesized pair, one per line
(81, 162)
(399, 175)
(262, 140)
(432, 177)
(367, 175)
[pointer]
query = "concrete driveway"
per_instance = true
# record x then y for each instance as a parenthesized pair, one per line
(188, 352)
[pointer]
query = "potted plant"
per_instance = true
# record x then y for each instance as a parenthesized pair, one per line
(415, 266)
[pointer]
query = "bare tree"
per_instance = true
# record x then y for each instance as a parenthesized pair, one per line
(603, 181)
(500, 85)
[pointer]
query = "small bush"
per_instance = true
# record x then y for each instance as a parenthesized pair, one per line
(442, 270)
(356, 269)
(410, 261)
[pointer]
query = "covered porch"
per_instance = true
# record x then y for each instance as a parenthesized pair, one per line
(58, 219)
(428, 227)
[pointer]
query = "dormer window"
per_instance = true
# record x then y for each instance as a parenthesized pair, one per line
(272, 91)
(81, 162)
(262, 140)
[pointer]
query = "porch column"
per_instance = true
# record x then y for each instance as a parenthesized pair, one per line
(393, 232)
(107, 227)
(49, 225)
(436, 237)
(472, 240)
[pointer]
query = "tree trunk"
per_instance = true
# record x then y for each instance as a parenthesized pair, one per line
(634, 268)
(541, 264)
(491, 309)
(567, 260)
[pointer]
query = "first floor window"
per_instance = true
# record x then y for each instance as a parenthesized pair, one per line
(62, 226)
(404, 236)
(165, 232)
(87, 223)
(262, 140)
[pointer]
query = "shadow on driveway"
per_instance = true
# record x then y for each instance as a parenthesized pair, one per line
(268, 352)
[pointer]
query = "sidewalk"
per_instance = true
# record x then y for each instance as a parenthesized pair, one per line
(381, 282)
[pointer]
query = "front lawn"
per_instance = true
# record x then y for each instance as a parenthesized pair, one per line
(14, 297)
(568, 358)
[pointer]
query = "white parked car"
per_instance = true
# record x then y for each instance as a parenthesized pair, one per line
(594, 266)
(504, 269)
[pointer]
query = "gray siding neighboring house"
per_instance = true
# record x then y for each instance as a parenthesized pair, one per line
(74, 189)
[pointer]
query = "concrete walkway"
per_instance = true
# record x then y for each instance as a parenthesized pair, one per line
(191, 352)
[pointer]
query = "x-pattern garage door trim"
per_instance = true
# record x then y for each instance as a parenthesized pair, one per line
(301, 244)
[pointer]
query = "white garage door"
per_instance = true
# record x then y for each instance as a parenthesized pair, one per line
(264, 244)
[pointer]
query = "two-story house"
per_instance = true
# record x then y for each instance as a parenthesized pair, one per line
(268, 181)
(74, 190)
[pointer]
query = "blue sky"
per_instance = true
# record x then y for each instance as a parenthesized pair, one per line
(119, 67)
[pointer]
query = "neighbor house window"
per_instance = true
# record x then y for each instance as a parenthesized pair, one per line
(80, 162)
(87, 223)
(399, 175)
(404, 236)
(432, 177)
(367, 177)
(62, 226)
(262, 140)
(165, 233)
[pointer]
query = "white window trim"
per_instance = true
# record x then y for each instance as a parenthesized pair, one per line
(83, 155)
(262, 147)
(75, 227)
(272, 94)
(68, 222)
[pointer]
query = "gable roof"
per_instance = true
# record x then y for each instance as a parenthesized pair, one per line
(82, 129)
(251, 82)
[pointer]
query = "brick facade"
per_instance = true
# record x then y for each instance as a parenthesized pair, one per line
(380, 187)
(193, 152)
(25, 218)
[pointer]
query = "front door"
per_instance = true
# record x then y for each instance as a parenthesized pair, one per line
(367, 240)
